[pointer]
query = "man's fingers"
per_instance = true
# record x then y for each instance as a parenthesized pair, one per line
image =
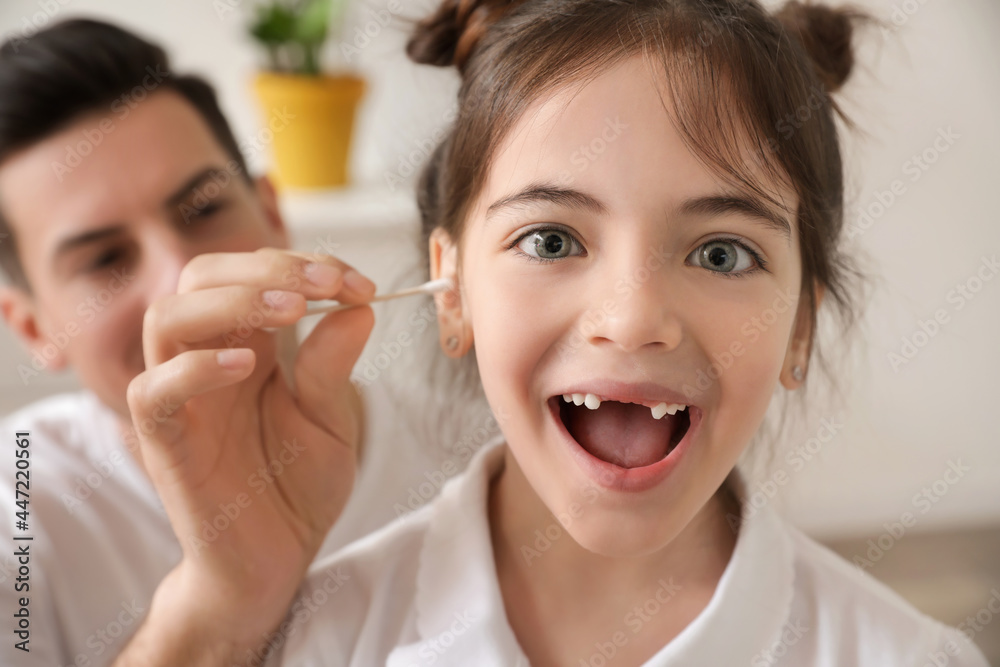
(315, 276)
(240, 293)
(235, 311)
(156, 397)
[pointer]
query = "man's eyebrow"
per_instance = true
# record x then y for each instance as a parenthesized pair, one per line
(748, 206)
(550, 194)
(92, 236)
(192, 184)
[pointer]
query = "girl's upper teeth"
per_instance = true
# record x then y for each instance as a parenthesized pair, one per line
(663, 409)
(593, 401)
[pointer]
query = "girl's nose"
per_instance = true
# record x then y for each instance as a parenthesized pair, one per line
(638, 306)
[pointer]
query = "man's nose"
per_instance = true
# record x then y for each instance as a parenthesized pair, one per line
(165, 258)
(640, 309)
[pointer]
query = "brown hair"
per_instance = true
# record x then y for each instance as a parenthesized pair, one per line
(743, 82)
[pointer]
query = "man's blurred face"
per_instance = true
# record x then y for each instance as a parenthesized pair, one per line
(102, 237)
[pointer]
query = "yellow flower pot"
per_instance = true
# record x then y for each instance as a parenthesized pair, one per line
(310, 121)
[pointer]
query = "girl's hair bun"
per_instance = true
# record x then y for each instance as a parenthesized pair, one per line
(826, 34)
(448, 36)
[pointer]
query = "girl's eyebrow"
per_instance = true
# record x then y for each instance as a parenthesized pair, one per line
(550, 194)
(749, 207)
(721, 204)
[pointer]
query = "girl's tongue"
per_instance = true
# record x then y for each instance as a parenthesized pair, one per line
(624, 434)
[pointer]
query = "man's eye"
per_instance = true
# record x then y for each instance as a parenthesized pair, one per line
(191, 213)
(547, 244)
(106, 259)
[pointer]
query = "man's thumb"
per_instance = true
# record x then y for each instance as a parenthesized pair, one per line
(326, 358)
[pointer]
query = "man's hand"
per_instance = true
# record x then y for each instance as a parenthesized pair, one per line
(252, 473)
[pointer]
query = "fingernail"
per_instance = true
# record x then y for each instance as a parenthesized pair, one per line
(321, 275)
(233, 359)
(278, 298)
(357, 282)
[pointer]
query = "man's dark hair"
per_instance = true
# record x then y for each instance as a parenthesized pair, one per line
(78, 67)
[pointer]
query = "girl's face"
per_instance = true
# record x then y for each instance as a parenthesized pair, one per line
(604, 258)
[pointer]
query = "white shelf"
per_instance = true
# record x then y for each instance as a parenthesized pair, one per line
(351, 209)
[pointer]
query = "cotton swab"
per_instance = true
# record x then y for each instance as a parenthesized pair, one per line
(429, 287)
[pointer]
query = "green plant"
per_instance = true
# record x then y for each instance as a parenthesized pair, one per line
(293, 32)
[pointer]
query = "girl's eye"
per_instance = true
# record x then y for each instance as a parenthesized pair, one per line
(728, 257)
(547, 244)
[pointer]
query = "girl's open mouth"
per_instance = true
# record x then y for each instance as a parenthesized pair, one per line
(627, 435)
(622, 445)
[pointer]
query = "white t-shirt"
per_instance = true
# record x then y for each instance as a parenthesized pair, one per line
(101, 539)
(424, 591)
(102, 542)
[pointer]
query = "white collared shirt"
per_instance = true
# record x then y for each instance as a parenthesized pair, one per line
(423, 591)
(102, 541)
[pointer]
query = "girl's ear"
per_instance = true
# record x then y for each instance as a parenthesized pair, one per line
(800, 345)
(453, 325)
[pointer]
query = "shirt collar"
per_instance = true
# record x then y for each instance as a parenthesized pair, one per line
(751, 602)
(460, 614)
